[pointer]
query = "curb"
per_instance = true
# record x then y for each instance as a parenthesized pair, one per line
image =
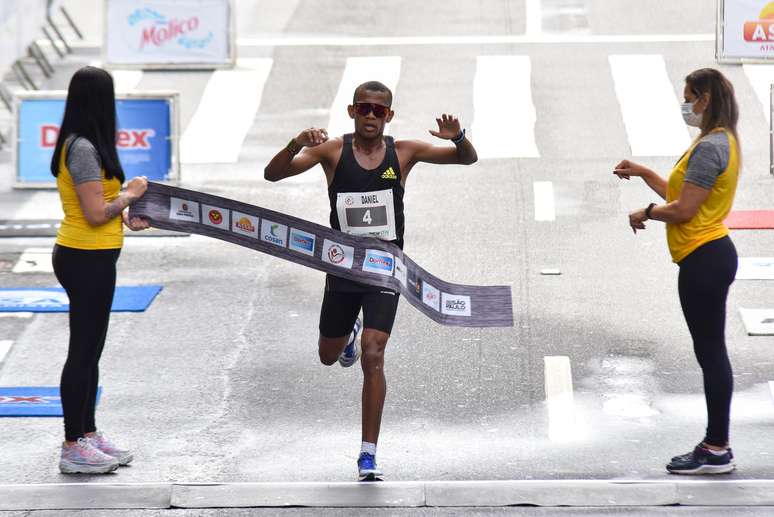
(409, 494)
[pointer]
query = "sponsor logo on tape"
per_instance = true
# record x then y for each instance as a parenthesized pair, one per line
(401, 272)
(455, 304)
(183, 210)
(302, 242)
(274, 233)
(215, 216)
(431, 296)
(338, 254)
(244, 224)
(379, 262)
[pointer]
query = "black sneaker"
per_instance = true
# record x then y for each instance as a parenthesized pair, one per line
(702, 461)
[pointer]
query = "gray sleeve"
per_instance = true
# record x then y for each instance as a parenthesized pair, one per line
(83, 162)
(708, 160)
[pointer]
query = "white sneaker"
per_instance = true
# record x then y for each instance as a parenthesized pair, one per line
(351, 352)
(101, 442)
(83, 458)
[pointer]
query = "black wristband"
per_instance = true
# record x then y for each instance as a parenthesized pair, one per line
(649, 209)
(459, 138)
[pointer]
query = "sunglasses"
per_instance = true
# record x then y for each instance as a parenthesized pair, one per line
(364, 108)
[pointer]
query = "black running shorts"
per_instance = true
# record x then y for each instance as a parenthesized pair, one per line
(340, 309)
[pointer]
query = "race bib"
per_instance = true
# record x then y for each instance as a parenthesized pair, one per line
(367, 213)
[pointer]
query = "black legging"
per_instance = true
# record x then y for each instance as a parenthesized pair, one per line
(89, 278)
(705, 276)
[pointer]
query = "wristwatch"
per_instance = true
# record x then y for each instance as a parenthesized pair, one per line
(648, 210)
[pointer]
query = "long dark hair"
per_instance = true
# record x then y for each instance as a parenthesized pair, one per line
(723, 110)
(90, 112)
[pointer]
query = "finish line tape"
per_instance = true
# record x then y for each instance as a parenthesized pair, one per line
(363, 259)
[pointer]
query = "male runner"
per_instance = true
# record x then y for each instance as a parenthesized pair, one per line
(368, 162)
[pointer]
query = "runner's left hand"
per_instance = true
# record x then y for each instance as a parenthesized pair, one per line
(448, 127)
(637, 220)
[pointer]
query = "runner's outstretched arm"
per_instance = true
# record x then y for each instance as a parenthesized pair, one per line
(463, 152)
(291, 161)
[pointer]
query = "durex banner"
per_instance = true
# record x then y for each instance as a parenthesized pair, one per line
(745, 30)
(169, 33)
(146, 136)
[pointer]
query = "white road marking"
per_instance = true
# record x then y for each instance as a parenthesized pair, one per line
(771, 388)
(550, 272)
(544, 201)
(24, 315)
(504, 115)
(543, 38)
(357, 71)
(534, 18)
(225, 114)
(649, 105)
(41, 205)
(761, 78)
(5, 347)
(559, 397)
(755, 268)
(758, 322)
(34, 260)
(626, 387)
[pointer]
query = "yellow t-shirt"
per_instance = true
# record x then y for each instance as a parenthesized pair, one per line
(707, 225)
(75, 231)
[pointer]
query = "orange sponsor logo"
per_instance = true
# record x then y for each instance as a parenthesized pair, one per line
(762, 29)
(245, 224)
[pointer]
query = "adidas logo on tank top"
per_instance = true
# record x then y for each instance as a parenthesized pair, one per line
(389, 174)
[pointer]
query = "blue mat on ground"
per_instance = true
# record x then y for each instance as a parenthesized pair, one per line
(32, 401)
(128, 298)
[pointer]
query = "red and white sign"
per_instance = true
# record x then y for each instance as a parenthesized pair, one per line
(747, 30)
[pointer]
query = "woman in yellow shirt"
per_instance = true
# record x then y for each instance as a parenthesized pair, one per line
(699, 194)
(89, 178)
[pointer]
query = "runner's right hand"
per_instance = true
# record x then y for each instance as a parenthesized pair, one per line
(312, 137)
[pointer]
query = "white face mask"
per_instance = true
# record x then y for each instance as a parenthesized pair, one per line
(691, 118)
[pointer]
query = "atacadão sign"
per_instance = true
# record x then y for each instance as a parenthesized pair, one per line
(745, 31)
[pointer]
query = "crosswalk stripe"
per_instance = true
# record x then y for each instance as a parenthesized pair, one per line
(649, 105)
(225, 113)
(771, 388)
(5, 346)
(761, 78)
(544, 201)
(34, 260)
(503, 112)
(357, 71)
(559, 398)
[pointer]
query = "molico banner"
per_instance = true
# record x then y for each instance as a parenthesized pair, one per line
(146, 140)
(745, 30)
(169, 33)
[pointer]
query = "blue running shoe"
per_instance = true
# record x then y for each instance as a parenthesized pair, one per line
(367, 469)
(351, 352)
(702, 461)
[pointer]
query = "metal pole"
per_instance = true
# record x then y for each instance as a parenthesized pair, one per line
(58, 34)
(42, 55)
(771, 130)
(31, 53)
(53, 43)
(22, 75)
(71, 22)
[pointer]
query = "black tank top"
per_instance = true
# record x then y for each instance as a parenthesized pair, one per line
(351, 177)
